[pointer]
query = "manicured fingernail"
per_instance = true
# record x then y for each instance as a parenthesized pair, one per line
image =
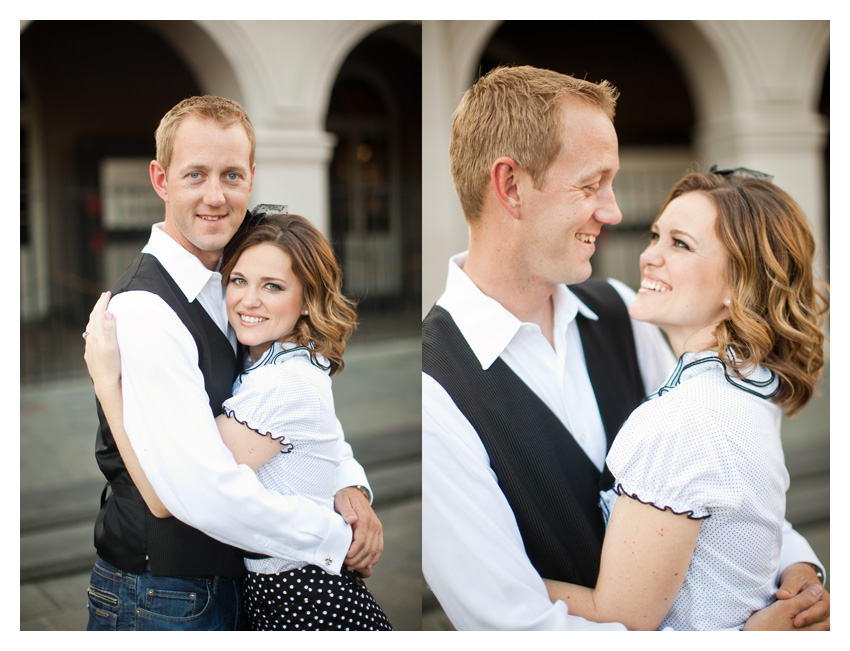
(109, 316)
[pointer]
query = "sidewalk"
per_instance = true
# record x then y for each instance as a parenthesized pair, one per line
(378, 401)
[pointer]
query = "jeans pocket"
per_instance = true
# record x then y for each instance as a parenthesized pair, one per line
(178, 600)
(103, 609)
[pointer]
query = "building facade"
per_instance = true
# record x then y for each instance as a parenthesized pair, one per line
(737, 93)
(336, 106)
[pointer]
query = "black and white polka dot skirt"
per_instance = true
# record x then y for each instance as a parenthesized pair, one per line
(310, 599)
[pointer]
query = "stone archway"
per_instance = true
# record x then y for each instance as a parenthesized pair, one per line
(375, 175)
(758, 86)
(753, 88)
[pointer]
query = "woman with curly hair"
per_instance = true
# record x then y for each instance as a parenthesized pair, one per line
(695, 516)
(285, 303)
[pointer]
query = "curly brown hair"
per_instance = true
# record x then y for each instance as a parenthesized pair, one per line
(331, 315)
(776, 309)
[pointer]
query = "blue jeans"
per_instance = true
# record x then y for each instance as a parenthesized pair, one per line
(121, 601)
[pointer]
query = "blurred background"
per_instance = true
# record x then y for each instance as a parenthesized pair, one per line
(352, 119)
(336, 106)
(737, 93)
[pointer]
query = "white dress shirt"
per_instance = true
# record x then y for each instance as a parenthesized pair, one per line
(473, 556)
(171, 427)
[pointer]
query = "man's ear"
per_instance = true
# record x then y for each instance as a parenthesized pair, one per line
(503, 176)
(158, 180)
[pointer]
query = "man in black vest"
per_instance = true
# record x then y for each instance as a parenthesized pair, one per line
(156, 572)
(526, 382)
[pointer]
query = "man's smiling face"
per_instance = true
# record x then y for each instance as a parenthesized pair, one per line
(207, 186)
(566, 215)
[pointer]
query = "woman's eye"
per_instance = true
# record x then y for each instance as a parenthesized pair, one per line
(273, 287)
(237, 281)
(679, 244)
(653, 236)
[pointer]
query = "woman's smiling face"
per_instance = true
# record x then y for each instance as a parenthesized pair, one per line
(264, 297)
(684, 288)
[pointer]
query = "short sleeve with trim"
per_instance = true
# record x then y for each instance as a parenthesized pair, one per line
(675, 455)
(282, 397)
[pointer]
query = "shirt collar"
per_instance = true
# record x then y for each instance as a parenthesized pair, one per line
(757, 380)
(187, 271)
(485, 324)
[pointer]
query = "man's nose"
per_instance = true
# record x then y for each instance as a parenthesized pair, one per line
(214, 195)
(608, 211)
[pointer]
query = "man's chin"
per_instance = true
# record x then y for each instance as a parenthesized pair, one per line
(579, 275)
(215, 241)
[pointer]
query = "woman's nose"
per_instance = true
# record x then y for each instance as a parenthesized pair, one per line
(251, 298)
(651, 257)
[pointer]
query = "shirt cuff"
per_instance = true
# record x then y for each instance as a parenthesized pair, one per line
(329, 553)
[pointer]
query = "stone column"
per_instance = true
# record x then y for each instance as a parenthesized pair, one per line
(292, 169)
(787, 142)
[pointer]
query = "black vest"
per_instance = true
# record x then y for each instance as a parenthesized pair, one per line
(126, 531)
(548, 480)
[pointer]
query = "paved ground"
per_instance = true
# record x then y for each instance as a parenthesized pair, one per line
(378, 400)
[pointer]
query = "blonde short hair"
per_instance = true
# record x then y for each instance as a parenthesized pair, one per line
(515, 112)
(207, 107)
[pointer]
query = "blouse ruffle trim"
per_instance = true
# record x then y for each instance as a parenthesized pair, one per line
(620, 490)
(285, 445)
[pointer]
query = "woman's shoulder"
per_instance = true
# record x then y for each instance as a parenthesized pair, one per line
(691, 408)
(281, 368)
(287, 358)
(676, 450)
(283, 384)
(701, 371)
